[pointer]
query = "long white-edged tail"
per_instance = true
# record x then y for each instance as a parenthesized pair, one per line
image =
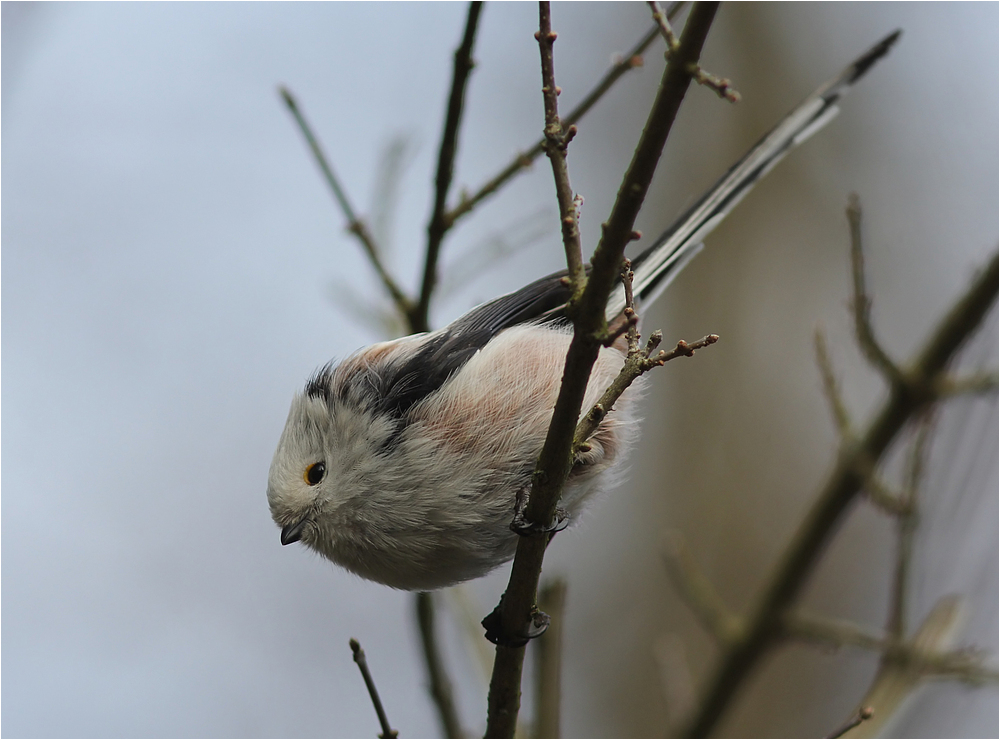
(658, 265)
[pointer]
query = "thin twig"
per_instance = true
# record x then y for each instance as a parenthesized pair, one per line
(590, 330)
(969, 385)
(906, 401)
(831, 388)
(722, 87)
(925, 655)
(900, 671)
(698, 592)
(631, 60)
(862, 302)
(548, 678)
(439, 684)
(556, 142)
(359, 658)
(355, 225)
(906, 526)
(862, 715)
(439, 222)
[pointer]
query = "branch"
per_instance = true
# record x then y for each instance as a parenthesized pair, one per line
(359, 658)
(590, 330)
(831, 388)
(556, 142)
(354, 224)
(440, 686)
(722, 87)
(699, 594)
(862, 715)
(523, 160)
(906, 526)
(548, 679)
(909, 396)
(439, 223)
(899, 674)
(862, 303)
(637, 362)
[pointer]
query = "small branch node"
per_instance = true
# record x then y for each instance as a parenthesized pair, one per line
(861, 715)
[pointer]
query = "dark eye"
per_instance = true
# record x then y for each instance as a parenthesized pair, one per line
(314, 473)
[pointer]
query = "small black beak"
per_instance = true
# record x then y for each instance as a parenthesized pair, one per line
(292, 532)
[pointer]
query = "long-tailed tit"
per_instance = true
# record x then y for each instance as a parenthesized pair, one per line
(403, 462)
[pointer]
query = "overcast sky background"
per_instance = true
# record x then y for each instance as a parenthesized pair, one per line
(174, 268)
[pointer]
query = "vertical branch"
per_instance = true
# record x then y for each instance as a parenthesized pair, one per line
(439, 223)
(906, 524)
(556, 142)
(440, 686)
(548, 678)
(590, 329)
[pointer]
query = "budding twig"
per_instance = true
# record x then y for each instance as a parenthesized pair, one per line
(722, 87)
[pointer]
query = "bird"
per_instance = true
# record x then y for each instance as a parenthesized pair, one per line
(405, 462)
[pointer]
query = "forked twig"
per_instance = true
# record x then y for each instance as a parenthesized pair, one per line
(631, 60)
(911, 395)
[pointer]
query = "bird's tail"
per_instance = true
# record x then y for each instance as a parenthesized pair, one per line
(659, 264)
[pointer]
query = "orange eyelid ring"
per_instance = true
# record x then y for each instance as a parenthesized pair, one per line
(314, 473)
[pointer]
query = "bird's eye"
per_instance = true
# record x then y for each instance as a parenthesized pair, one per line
(314, 473)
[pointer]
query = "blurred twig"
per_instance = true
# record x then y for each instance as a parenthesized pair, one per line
(699, 594)
(354, 224)
(359, 658)
(548, 648)
(861, 715)
(911, 392)
(439, 683)
(722, 87)
(590, 330)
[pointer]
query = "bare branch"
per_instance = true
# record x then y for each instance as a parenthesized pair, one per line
(354, 224)
(548, 679)
(439, 684)
(978, 383)
(722, 87)
(906, 526)
(862, 302)
(359, 658)
(907, 401)
(631, 60)
(637, 362)
(831, 388)
(439, 222)
(556, 142)
(698, 592)
(863, 714)
(925, 655)
(517, 611)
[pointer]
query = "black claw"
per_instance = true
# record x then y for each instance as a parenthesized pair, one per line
(520, 525)
(495, 634)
